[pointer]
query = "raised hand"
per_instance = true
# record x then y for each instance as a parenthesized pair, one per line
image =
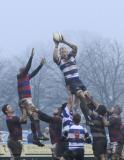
(43, 61)
(32, 52)
(62, 39)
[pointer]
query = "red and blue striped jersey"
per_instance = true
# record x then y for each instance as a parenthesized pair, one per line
(24, 88)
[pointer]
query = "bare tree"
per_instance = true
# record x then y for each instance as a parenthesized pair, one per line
(48, 87)
(102, 68)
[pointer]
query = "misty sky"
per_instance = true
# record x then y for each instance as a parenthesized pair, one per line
(27, 22)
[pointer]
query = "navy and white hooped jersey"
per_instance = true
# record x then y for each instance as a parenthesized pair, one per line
(68, 67)
(76, 136)
(66, 119)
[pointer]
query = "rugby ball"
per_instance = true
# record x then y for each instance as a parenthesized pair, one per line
(57, 37)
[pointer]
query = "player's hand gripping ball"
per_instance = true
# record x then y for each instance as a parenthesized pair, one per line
(57, 37)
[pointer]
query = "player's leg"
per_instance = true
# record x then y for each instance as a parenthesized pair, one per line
(80, 155)
(35, 121)
(33, 117)
(35, 136)
(85, 111)
(77, 88)
(70, 94)
(23, 108)
(15, 148)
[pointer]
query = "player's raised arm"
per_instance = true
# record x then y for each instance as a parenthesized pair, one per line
(28, 66)
(43, 61)
(72, 46)
(56, 55)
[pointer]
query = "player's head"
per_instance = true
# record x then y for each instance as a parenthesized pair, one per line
(117, 109)
(101, 110)
(63, 52)
(76, 118)
(6, 109)
(21, 69)
(110, 110)
(56, 112)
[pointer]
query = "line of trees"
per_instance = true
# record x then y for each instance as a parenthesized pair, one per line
(101, 68)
